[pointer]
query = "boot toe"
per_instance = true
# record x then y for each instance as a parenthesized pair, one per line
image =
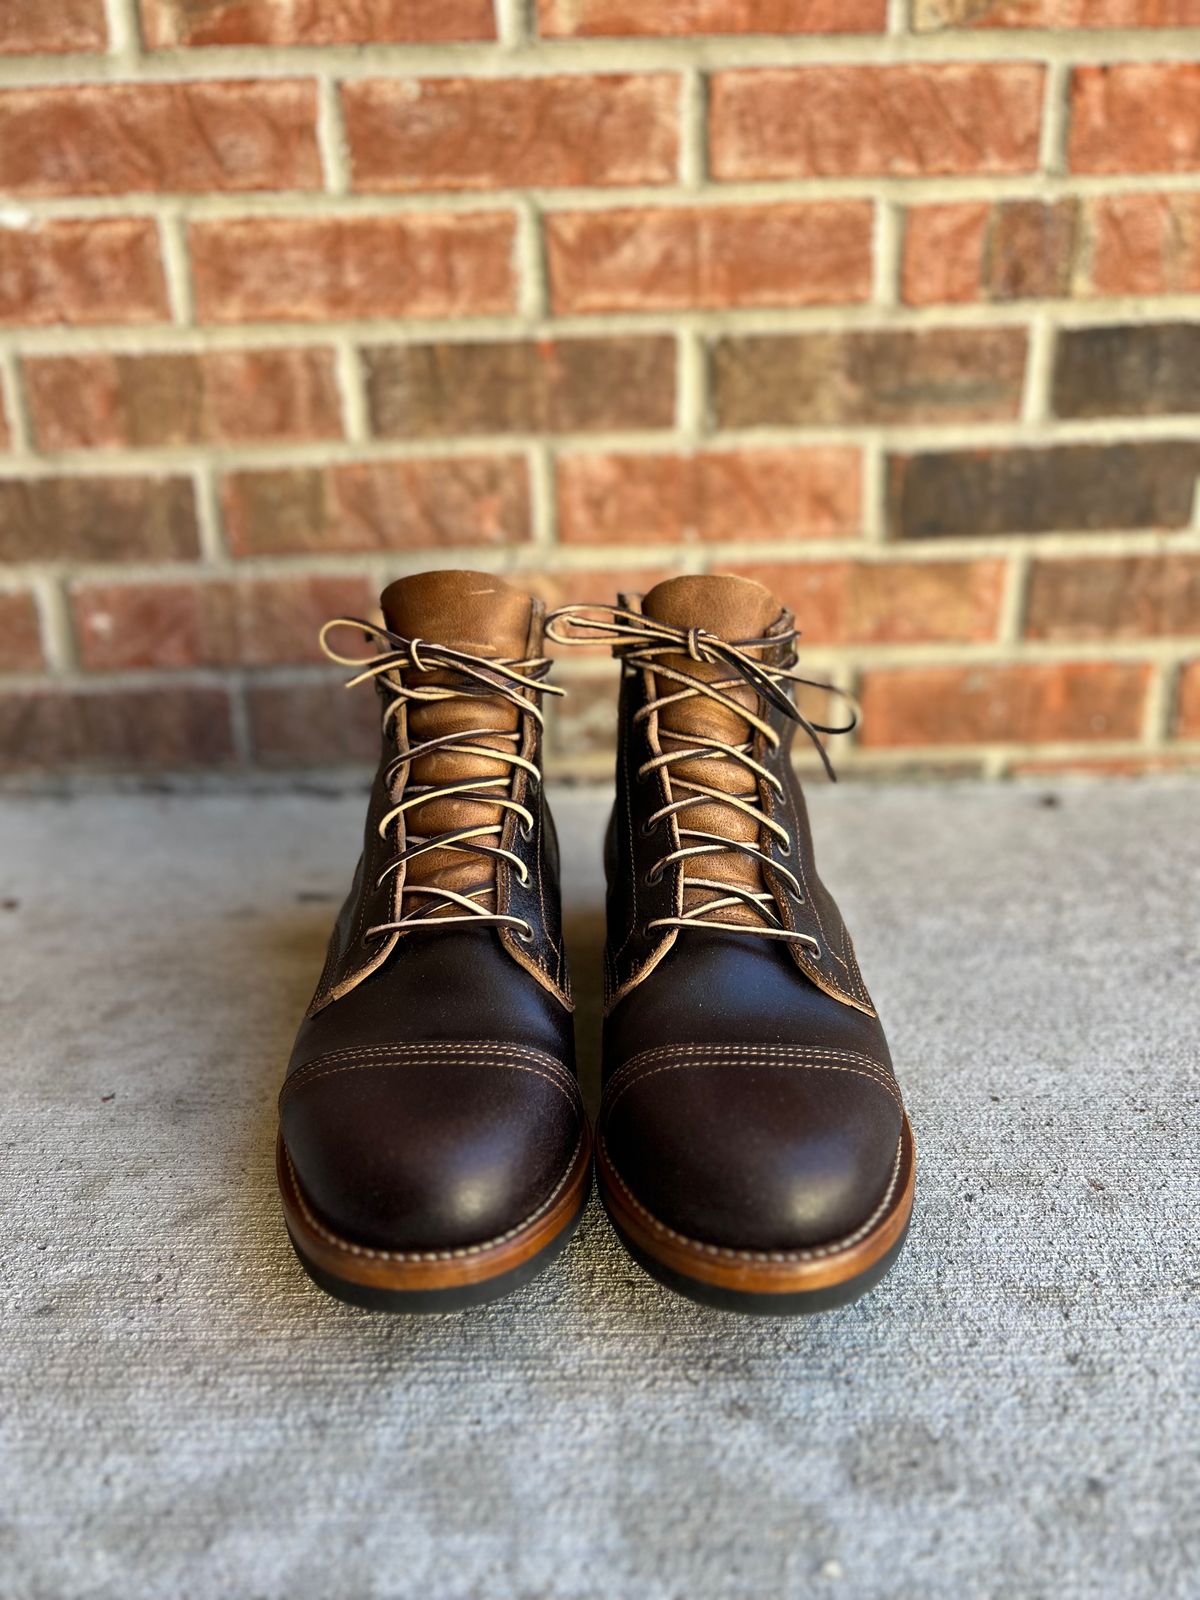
(754, 1151)
(430, 1149)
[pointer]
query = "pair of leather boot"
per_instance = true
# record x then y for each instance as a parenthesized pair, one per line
(751, 1147)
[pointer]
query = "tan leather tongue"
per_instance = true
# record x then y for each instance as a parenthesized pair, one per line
(482, 615)
(733, 609)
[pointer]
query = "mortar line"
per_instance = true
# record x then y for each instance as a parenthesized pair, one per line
(177, 267)
(530, 266)
(331, 137)
(1160, 704)
(863, 317)
(944, 438)
(124, 32)
(522, 55)
(902, 190)
(14, 406)
(874, 491)
(1012, 600)
(1052, 149)
(693, 128)
(691, 384)
(54, 626)
(887, 249)
(241, 736)
(208, 516)
(572, 558)
(543, 505)
(352, 391)
(1038, 381)
(512, 24)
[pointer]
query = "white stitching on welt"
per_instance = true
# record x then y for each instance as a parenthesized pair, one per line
(428, 1255)
(757, 1052)
(811, 1066)
(387, 1055)
(443, 1047)
(508, 1066)
(783, 1256)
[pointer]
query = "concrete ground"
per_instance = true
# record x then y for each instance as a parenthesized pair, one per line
(1012, 1415)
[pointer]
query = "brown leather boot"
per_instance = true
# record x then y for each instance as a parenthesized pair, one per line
(433, 1149)
(752, 1147)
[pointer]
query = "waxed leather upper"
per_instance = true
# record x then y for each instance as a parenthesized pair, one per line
(430, 1102)
(749, 1096)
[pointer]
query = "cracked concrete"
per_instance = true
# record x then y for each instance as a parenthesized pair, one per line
(1012, 1415)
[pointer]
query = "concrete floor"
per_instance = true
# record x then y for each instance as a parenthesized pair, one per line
(1013, 1415)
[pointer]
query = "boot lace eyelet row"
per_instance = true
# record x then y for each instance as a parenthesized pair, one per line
(644, 644)
(397, 667)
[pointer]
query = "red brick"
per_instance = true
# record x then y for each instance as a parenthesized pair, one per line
(1025, 704)
(868, 375)
(1137, 369)
(579, 19)
(1187, 702)
(722, 494)
(294, 269)
(899, 602)
(97, 519)
(54, 26)
(975, 251)
(20, 633)
(1123, 597)
(651, 259)
(107, 269)
(380, 505)
(1065, 488)
(321, 723)
(1137, 116)
(473, 133)
(167, 24)
(521, 386)
(190, 137)
(151, 729)
(929, 15)
(215, 397)
(905, 121)
(247, 622)
(1145, 244)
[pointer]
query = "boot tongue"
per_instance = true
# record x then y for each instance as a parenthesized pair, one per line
(733, 609)
(471, 611)
(482, 616)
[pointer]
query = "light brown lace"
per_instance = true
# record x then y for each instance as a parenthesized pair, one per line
(643, 643)
(514, 680)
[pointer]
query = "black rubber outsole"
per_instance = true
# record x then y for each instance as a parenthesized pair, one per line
(462, 1297)
(761, 1305)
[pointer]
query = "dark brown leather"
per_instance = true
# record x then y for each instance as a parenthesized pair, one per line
(749, 1097)
(431, 1101)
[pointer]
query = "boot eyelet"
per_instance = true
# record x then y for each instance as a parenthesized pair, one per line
(649, 828)
(785, 847)
(653, 878)
(817, 955)
(526, 832)
(525, 935)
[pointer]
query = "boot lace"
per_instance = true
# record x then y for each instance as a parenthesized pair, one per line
(645, 644)
(516, 681)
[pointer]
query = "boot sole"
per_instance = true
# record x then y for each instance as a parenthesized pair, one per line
(449, 1280)
(786, 1284)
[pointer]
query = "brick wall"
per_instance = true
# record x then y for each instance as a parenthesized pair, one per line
(891, 303)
